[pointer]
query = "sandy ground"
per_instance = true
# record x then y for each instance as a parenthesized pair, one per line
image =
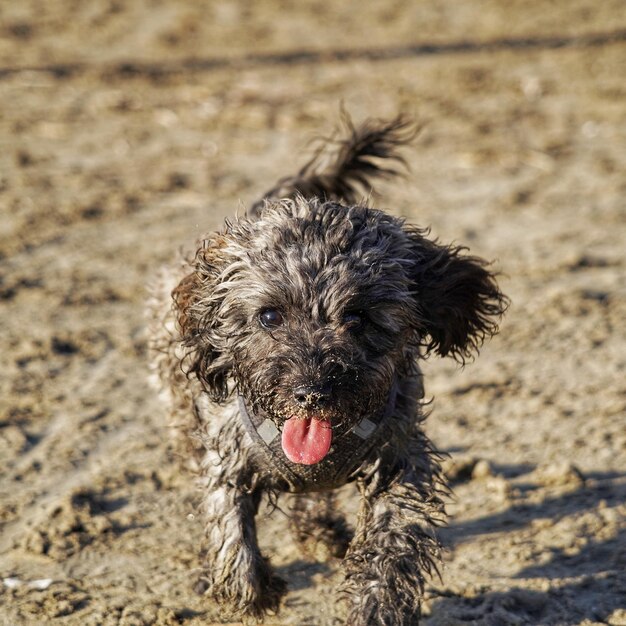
(129, 128)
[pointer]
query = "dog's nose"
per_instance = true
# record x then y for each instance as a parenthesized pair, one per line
(311, 397)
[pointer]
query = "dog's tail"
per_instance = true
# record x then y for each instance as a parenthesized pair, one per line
(369, 151)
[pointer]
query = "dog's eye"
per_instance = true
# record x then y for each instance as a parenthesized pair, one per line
(270, 318)
(353, 321)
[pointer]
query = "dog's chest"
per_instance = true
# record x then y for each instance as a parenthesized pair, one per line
(347, 453)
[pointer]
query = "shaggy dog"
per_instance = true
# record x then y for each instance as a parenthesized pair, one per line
(288, 350)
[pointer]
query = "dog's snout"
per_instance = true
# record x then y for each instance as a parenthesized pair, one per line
(311, 397)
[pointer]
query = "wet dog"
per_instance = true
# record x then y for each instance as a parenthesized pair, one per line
(288, 349)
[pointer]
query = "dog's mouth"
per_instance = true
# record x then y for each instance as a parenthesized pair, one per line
(306, 440)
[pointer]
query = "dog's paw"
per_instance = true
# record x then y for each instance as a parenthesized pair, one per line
(329, 538)
(250, 598)
(273, 591)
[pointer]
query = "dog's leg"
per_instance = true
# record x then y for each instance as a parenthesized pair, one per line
(317, 527)
(394, 549)
(235, 574)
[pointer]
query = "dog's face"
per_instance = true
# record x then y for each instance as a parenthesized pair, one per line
(314, 310)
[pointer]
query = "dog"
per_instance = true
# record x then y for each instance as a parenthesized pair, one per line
(288, 349)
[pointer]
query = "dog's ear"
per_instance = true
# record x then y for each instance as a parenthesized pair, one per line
(197, 300)
(457, 300)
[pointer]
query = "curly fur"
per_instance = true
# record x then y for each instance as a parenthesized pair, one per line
(319, 263)
(358, 159)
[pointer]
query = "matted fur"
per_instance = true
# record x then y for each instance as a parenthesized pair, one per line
(361, 297)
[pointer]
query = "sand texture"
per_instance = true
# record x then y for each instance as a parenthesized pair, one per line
(127, 129)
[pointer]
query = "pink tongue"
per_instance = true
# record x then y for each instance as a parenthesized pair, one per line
(306, 441)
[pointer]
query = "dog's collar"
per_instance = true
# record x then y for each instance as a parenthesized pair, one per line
(347, 452)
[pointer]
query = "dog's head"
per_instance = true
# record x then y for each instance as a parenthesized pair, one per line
(314, 310)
